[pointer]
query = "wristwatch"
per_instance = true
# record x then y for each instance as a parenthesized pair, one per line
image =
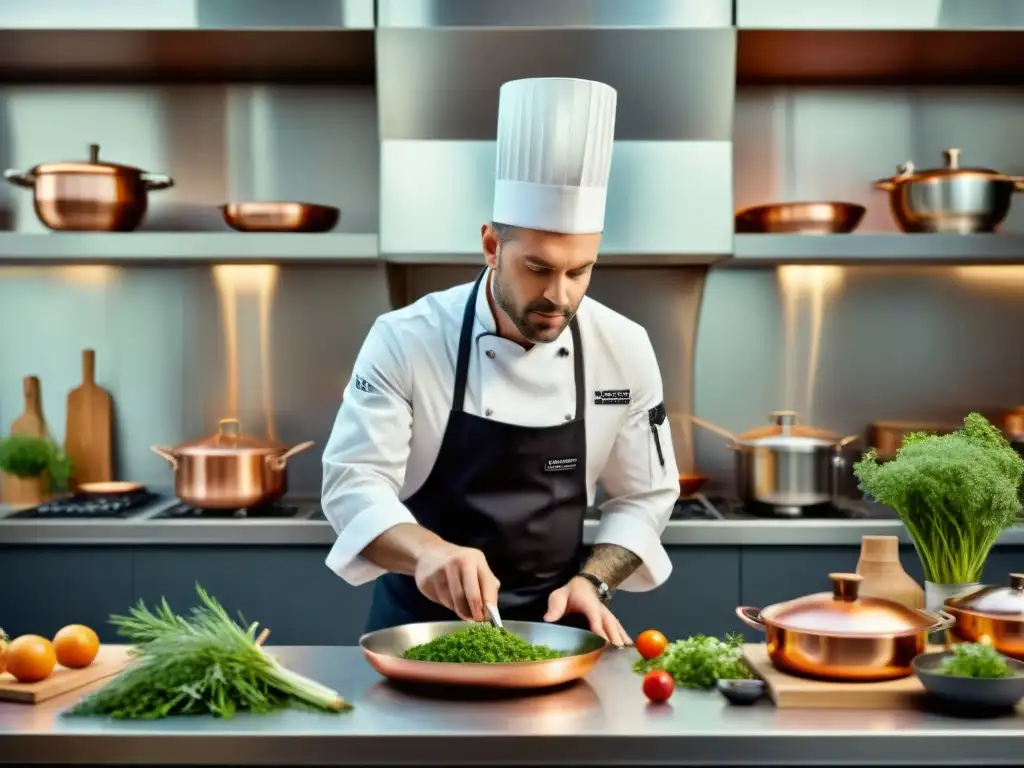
(604, 592)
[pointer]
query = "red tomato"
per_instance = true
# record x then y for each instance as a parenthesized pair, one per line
(658, 685)
(651, 643)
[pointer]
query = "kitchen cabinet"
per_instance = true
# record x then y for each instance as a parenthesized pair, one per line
(287, 589)
(44, 588)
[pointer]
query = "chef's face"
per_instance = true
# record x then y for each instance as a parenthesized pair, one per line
(539, 278)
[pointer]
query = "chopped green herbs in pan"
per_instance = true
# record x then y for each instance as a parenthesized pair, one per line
(481, 644)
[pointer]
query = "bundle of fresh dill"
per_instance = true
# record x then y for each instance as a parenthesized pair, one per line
(956, 494)
(481, 644)
(205, 664)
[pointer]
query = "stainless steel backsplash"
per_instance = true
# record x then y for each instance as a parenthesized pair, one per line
(921, 343)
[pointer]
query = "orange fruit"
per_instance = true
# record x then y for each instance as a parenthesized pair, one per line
(76, 646)
(30, 658)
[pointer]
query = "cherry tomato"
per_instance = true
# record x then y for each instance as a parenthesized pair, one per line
(651, 643)
(658, 685)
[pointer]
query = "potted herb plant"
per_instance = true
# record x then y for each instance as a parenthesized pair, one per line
(956, 494)
(37, 464)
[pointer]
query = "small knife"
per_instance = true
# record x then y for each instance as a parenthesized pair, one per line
(495, 617)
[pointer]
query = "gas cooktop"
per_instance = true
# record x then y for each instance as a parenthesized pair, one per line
(89, 507)
(276, 511)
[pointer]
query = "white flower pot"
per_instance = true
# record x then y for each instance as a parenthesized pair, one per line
(935, 595)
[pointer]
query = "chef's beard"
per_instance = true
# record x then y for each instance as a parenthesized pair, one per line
(521, 318)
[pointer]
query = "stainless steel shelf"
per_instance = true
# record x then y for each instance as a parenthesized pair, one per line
(880, 248)
(193, 247)
(605, 259)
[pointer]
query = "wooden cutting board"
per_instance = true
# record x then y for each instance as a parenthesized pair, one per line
(89, 434)
(791, 692)
(110, 660)
(30, 424)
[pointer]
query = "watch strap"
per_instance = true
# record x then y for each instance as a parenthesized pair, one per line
(604, 592)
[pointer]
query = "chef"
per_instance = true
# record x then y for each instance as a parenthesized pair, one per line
(479, 419)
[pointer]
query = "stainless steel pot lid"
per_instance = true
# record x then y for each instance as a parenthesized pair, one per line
(786, 433)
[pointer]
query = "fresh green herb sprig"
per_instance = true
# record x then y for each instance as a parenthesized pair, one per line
(203, 664)
(26, 456)
(700, 661)
(481, 644)
(977, 660)
(956, 494)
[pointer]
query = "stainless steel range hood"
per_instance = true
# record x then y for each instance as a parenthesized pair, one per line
(440, 64)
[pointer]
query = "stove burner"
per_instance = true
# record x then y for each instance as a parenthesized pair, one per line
(840, 509)
(182, 511)
(91, 507)
(690, 508)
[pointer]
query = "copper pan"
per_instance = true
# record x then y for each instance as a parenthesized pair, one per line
(825, 218)
(842, 636)
(995, 613)
(886, 437)
(109, 488)
(384, 649)
(691, 484)
(280, 217)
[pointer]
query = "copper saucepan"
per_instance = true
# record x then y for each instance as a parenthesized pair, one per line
(993, 612)
(841, 636)
(92, 196)
(229, 470)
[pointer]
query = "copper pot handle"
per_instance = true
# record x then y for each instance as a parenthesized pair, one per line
(280, 462)
(943, 620)
(1018, 183)
(751, 617)
(19, 179)
(156, 181)
(166, 453)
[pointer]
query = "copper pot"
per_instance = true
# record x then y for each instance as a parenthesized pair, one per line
(280, 217)
(996, 613)
(90, 196)
(839, 635)
(229, 470)
(823, 218)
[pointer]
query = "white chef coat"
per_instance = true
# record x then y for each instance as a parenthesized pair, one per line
(388, 431)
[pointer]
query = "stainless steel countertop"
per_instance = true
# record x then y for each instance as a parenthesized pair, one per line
(309, 529)
(602, 721)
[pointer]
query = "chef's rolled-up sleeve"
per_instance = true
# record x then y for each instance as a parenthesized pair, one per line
(642, 491)
(365, 459)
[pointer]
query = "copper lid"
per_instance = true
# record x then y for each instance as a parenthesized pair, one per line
(92, 166)
(843, 612)
(229, 440)
(994, 601)
(785, 431)
(951, 168)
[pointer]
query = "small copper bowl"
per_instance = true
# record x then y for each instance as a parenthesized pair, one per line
(800, 218)
(280, 217)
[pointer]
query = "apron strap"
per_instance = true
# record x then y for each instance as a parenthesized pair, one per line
(466, 345)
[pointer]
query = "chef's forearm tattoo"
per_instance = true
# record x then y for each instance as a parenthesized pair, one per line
(612, 564)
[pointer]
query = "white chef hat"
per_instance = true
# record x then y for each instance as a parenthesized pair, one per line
(555, 139)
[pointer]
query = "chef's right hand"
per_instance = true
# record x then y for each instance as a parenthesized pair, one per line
(459, 579)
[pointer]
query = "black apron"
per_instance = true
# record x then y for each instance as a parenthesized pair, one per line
(518, 494)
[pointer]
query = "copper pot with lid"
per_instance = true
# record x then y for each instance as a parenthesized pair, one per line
(840, 635)
(788, 465)
(995, 613)
(230, 470)
(951, 199)
(90, 196)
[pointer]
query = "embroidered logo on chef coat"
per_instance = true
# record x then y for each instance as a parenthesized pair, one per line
(612, 397)
(561, 465)
(364, 386)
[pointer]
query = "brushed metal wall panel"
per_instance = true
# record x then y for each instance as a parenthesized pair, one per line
(186, 14)
(663, 197)
(554, 13)
(914, 344)
(161, 350)
(832, 144)
(428, 89)
(879, 14)
(220, 143)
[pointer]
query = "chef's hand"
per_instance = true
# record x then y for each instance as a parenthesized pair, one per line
(459, 579)
(579, 596)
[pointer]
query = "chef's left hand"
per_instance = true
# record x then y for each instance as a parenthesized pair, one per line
(579, 596)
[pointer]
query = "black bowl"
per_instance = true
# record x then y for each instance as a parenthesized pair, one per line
(970, 692)
(741, 691)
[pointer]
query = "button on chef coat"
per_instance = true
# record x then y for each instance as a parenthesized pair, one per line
(389, 428)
